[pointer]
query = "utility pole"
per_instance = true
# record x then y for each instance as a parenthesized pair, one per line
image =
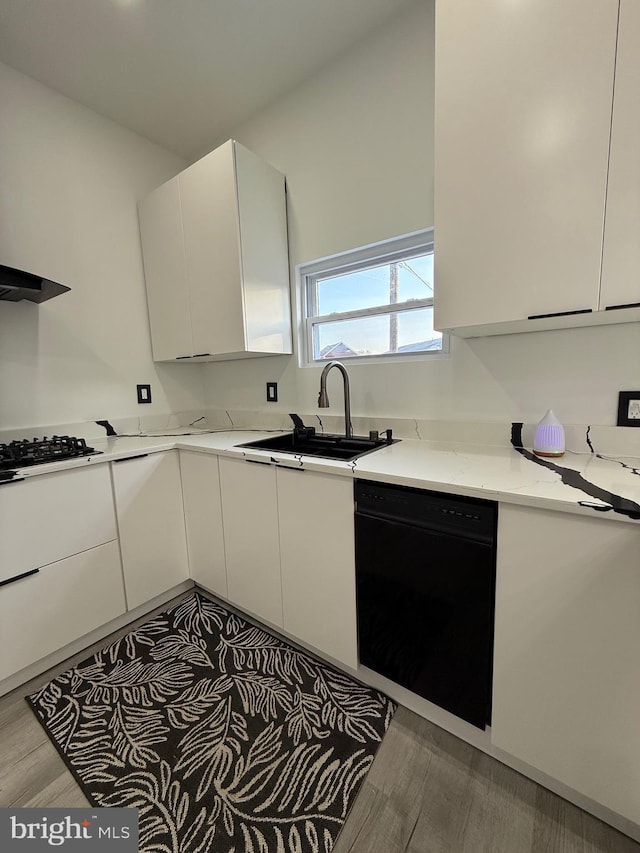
(393, 297)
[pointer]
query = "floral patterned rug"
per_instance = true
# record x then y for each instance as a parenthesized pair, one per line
(225, 738)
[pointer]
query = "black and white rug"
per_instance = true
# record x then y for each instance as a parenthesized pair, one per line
(225, 738)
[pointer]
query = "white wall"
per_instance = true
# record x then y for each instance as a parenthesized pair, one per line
(69, 184)
(356, 145)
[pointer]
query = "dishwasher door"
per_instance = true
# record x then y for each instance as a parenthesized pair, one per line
(425, 603)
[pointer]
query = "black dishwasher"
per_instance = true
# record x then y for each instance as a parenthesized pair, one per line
(425, 572)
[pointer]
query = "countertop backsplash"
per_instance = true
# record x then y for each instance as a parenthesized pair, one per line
(580, 438)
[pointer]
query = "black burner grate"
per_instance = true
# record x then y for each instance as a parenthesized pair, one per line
(21, 454)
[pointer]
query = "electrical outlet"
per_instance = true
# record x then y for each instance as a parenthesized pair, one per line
(144, 393)
(629, 408)
(272, 392)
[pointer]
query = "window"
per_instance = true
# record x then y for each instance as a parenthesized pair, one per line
(371, 303)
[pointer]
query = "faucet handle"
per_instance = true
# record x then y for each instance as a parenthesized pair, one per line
(299, 429)
(389, 435)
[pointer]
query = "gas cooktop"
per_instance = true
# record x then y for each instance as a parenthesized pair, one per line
(29, 452)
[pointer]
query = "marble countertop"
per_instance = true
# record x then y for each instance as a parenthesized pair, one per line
(585, 483)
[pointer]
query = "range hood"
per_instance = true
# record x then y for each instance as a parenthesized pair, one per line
(17, 284)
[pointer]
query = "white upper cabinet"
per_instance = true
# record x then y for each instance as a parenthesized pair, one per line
(522, 128)
(621, 256)
(164, 270)
(214, 241)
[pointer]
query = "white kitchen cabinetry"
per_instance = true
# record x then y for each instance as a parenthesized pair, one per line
(165, 273)
(203, 520)
(621, 256)
(58, 604)
(289, 542)
(250, 520)
(317, 561)
(523, 112)
(73, 511)
(150, 515)
(566, 694)
(214, 242)
(72, 580)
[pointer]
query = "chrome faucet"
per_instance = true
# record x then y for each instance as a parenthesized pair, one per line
(323, 399)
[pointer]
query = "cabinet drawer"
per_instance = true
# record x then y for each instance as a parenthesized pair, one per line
(71, 511)
(63, 601)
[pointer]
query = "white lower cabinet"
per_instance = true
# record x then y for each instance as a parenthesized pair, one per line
(250, 520)
(64, 582)
(289, 543)
(566, 694)
(317, 561)
(73, 511)
(148, 498)
(203, 520)
(58, 604)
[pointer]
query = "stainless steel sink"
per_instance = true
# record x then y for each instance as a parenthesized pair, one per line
(323, 446)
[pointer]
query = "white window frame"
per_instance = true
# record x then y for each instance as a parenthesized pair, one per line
(387, 251)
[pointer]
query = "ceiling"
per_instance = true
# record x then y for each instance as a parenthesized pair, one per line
(182, 73)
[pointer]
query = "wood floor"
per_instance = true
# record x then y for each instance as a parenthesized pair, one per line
(427, 791)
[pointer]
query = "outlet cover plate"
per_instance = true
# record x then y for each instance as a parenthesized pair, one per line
(272, 392)
(144, 393)
(629, 408)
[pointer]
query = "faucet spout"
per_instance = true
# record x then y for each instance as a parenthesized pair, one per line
(323, 397)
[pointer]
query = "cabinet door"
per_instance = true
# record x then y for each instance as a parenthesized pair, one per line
(164, 270)
(203, 520)
(621, 257)
(523, 100)
(566, 693)
(265, 261)
(318, 561)
(61, 603)
(72, 511)
(151, 525)
(250, 520)
(212, 252)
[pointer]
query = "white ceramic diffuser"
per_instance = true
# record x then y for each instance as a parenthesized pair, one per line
(549, 437)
